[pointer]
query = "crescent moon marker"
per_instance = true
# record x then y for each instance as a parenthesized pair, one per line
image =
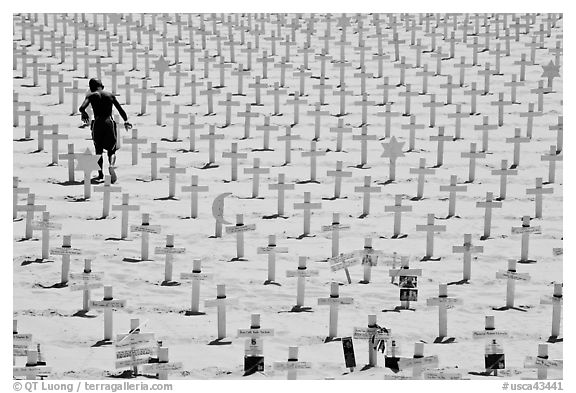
(218, 208)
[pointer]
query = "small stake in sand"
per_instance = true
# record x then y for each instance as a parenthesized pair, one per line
(301, 274)
(271, 250)
(334, 301)
(418, 362)
(106, 189)
(467, 249)
(169, 250)
(146, 229)
(196, 277)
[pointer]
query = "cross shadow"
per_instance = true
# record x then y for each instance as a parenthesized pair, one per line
(331, 339)
(461, 282)
(300, 237)
(36, 151)
(126, 374)
(210, 114)
(134, 260)
(273, 216)
(506, 308)
(170, 140)
(527, 261)
(398, 309)
(250, 197)
(270, 282)
(480, 373)
(99, 218)
(360, 166)
(83, 314)
(447, 217)
(485, 237)
(366, 367)
(363, 215)
(333, 198)
(220, 341)
(299, 309)
(102, 343)
(17, 219)
(400, 236)
(436, 166)
(147, 180)
(428, 258)
(554, 339)
(186, 151)
(444, 340)
(24, 239)
(189, 313)
(37, 260)
(363, 282)
(386, 182)
(22, 140)
(308, 182)
(168, 198)
(117, 239)
(71, 198)
(208, 166)
(236, 259)
(417, 198)
(262, 149)
(169, 284)
(54, 286)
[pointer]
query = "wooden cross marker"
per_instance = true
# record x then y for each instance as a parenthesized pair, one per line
(443, 302)
(392, 150)
(239, 230)
(247, 115)
(458, 116)
(540, 91)
(542, 363)
(364, 104)
(106, 189)
(40, 128)
(85, 282)
(56, 138)
(30, 208)
(369, 258)
(440, 138)
(530, 115)
(271, 250)
(501, 103)
(525, 230)
(196, 277)
(307, 207)
(33, 369)
(153, 155)
(172, 171)
(388, 115)
(421, 171)
(418, 362)
(397, 208)
(334, 301)
(20, 341)
(158, 103)
(66, 251)
(194, 189)
(364, 138)
(292, 365)
(288, 138)
(342, 92)
(220, 303)
(134, 348)
(169, 250)
(559, 128)
(127, 86)
(211, 137)
(16, 190)
(145, 229)
(192, 127)
(433, 104)
(556, 300)
(313, 154)
(87, 162)
(144, 92)
(366, 189)
(551, 157)
(256, 171)
(281, 187)
(125, 208)
(240, 72)
(45, 225)
(490, 331)
(193, 84)
(338, 174)
(335, 228)
(452, 189)
(488, 205)
(276, 92)
(407, 281)
(266, 128)
(296, 101)
(209, 93)
(472, 155)
(538, 193)
(467, 249)
(375, 336)
(517, 140)
(511, 276)
(301, 274)
(430, 230)
(340, 130)
(473, 93)
(317, 113)
(176, 116)
(504, 172)
(485, 127)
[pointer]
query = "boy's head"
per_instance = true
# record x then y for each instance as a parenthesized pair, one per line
(95, 84)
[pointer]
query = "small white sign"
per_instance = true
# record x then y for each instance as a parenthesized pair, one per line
(156, 367)
(127, 353)
(145, 228)
(108, 303)
(327, 228)
(83, 286)
(217, 302)
(45, 225)
(301, 273)
(450, 301)
(65, 251)
(296, 365)
(28, 370)
(132, 339)
(404, 272)
(255, 332)
(489, 333)
(536, 362)
(441, 375)
(365, 333)
(96, 276)
(516, 230)
(131, 362)
(22, 337)
(513, 275)
(423, 361)
(169, 250)
(195, 276)
(335, 300)
(241, 228)
(279, 250)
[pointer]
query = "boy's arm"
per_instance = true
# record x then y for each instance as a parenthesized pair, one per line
(82, 109)
(119, 109)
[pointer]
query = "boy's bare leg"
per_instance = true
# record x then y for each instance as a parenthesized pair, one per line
(112, 167)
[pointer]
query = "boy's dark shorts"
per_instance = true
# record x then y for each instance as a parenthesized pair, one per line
(104, 135)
